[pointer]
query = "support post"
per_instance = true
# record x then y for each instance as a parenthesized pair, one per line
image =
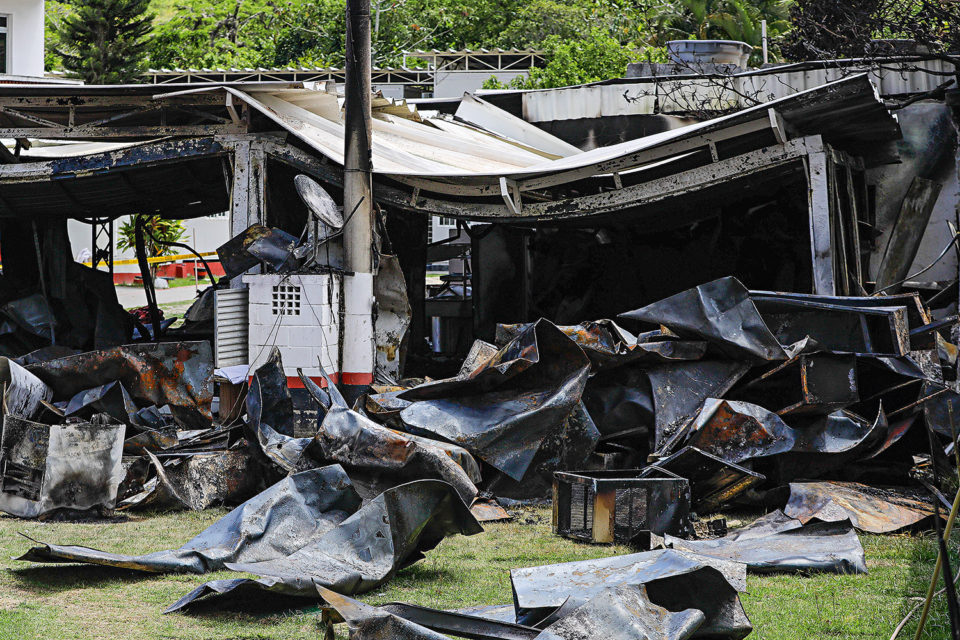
(821, 245)
(247, 190)
(358, 338)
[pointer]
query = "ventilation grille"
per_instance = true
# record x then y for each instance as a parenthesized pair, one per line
(286, 300)
(231, 327)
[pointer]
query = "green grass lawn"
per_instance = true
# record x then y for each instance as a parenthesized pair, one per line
(64, 602)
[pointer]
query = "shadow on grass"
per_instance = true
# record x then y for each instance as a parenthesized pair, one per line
(40, 579)
(265, 606)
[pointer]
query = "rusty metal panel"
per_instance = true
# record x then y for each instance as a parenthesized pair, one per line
(174, 374)
(871, 509)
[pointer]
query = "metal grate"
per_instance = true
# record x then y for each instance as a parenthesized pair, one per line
(618, 506)
(286, 300)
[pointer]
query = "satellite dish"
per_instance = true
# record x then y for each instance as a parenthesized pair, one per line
(319, 202)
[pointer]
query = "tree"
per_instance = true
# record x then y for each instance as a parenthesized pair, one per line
(572, 62)
(105, 41)
(155, 227)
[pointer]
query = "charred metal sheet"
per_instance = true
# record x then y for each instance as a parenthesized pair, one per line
(871, 509)
(174, 374)
(353, 440)
(447, 622)
(720, 312)
(480, 352)
(624, 612)
(617, 506)
(113, 400)
(270, 414)
(74, 466)
(737, 431)
(835, 326)
(372, 623)
(257, 243)
(714, 482)
(197, 481)
(505, 409)
(392, 319)
(776, 543)
(936, 409)
(607, 344)
(843, 435)
(675, 580)
(363, 551)
(25, 393)
(807, 383)
(680, 390)
(274, 523)
(569, 447)
(32, 314)
(488, 510)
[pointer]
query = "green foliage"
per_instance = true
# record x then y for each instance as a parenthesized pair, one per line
(572, 62)
(597, 36)
(104, 41)
(160, 228)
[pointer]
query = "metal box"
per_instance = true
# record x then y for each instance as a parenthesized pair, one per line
(618, 505)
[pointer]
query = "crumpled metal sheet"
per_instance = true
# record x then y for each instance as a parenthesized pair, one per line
(737, 431)
(608, 345)
(372, 623)
(390, 532)
(197, 481)
(75, 466)
(623, 612)
(353, 440)
(25, 393)
(713, 481)
(720, 312)
(113, 400)
(675, 580)
(393, 316)
(626, 613)
(776, 543)
(680, 390)
(274, 523)
(175, 374)
(504, 409)
(270, 414)
(871, 509)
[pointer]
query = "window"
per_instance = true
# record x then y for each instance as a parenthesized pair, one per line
(4, 43)
(448, 222)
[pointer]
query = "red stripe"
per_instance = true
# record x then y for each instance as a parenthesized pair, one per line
(294, 382)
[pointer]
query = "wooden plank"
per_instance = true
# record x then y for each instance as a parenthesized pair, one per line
(907, 233)
(604, 513)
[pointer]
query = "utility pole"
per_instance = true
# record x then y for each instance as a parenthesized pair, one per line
(358, 348)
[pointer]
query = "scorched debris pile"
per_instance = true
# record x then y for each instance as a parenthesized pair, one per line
(819, 410)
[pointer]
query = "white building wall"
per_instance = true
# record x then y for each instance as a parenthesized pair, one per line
(453, 84)
(24, 36)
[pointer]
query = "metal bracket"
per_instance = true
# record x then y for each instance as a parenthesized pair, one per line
(512, 205)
